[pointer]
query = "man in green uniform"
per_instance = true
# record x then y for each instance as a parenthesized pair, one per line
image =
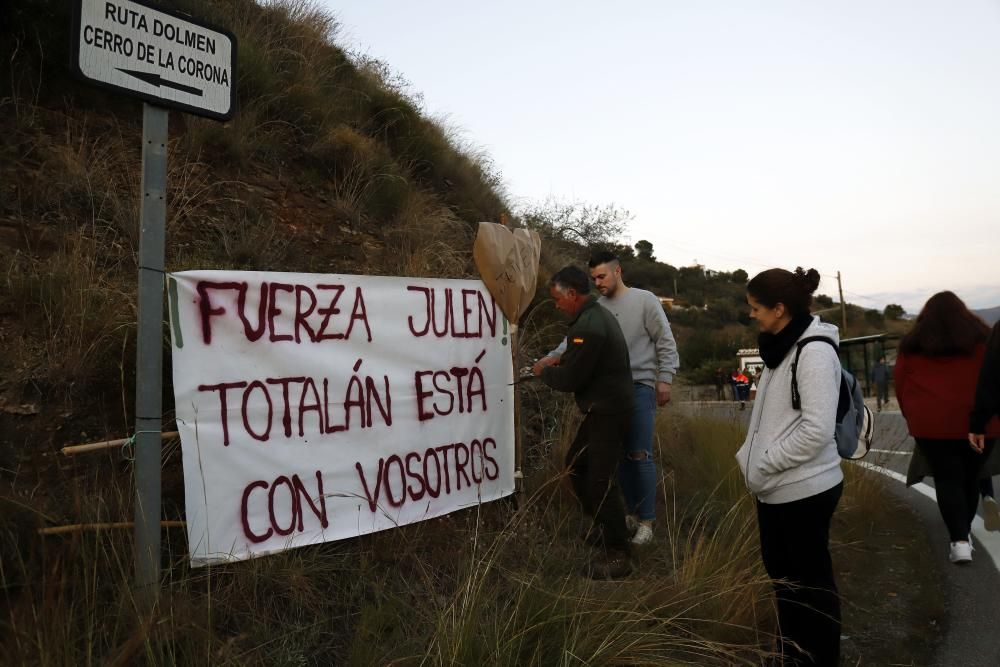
(595, 367)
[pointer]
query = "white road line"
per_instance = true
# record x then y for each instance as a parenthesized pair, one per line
(890, 451)
(989, 541)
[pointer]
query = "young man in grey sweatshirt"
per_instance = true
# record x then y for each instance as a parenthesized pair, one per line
(654, 361)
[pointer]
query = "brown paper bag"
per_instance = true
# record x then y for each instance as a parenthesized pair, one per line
(508, 264)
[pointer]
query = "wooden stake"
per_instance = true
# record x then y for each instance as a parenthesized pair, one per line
(113, 525)
(518, 444)
(70, 450)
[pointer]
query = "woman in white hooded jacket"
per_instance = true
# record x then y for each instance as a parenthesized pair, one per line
(791, 465)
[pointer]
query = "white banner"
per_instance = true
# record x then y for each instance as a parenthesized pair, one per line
(317, 407)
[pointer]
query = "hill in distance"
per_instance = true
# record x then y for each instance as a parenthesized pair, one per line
(990, 315)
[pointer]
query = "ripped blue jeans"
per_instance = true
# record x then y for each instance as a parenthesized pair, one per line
(637, 472)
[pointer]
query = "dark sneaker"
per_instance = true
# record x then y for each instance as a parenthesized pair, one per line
(615, 565)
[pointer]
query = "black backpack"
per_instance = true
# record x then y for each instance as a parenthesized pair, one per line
(855, 421)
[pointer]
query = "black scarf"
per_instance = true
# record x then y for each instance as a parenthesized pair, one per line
(774, 347)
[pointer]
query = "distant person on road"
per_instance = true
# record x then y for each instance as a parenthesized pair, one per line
(935, 376)
(595, 367)
(791, 465)
(653, 355)
(741, 388)
(880, 378)
(720, 384)
(986, 406)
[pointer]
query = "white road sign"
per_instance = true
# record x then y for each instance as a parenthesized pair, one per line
(159, 56)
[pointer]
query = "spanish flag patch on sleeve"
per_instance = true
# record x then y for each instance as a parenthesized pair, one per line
(578, 341)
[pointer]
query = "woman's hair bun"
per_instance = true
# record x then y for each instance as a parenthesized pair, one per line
(795, 290)
(808, 279)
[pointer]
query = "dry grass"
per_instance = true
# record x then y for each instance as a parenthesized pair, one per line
(70, 276)
(486, 586)
(429, 240)
(304, 98)
(74, 312)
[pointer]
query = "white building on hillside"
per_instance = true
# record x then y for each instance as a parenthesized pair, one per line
(751, 363)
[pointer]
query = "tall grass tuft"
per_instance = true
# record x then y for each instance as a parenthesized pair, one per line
(75, 314)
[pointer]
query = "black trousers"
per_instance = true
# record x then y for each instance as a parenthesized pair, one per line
(881, 393)
(795, 548)
(592, 461)
(956, 467)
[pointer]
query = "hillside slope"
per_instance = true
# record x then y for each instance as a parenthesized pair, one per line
(326, 167)
(991, 315)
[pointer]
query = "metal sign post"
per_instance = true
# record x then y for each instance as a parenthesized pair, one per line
(149, 361)
(170, 60)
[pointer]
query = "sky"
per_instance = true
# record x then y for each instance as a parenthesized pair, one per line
(858, 136)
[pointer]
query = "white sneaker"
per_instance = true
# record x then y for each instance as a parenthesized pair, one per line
(961, 552)
(643, 534)
(991, 513)
(631, 523)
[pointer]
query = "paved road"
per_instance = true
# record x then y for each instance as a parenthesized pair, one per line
(973, 602)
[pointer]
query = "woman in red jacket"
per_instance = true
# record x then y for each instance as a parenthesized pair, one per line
(936, 371)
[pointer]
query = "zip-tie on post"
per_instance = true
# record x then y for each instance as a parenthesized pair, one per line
(129, 441)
